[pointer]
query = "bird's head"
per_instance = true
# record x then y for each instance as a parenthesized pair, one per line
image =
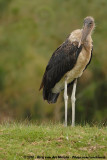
(88, 27)
(89, 23)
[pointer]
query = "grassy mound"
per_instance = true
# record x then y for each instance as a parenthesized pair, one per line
(22, 141)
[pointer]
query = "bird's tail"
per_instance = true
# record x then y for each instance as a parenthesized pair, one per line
(49, 96)
(52, 98)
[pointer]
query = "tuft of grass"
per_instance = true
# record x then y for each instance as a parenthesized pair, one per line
(27, 141)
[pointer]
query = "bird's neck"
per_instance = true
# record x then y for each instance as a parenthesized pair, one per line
(86, 34)
(86, 39)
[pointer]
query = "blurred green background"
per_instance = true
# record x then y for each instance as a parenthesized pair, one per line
(29, 33)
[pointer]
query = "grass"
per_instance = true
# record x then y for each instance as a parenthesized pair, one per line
(27, 141)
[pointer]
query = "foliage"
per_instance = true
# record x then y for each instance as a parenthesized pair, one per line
(29, 33)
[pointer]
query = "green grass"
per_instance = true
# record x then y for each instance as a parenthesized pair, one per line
(27, 141)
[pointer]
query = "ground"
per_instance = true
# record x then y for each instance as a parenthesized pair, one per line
(29, 141)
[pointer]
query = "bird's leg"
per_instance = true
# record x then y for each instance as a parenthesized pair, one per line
(66, 102)
(73, 99)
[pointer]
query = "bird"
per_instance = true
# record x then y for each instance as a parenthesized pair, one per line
(67, 64)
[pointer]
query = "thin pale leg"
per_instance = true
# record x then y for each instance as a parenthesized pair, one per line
(73, 99)
(66, 102)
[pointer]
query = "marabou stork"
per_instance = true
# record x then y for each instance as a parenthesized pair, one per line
(68, 63)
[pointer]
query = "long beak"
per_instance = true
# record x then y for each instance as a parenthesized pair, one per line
(85, 32)
(83, 36)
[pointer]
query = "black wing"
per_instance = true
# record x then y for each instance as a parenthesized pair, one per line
(90, 58)
(62, 61)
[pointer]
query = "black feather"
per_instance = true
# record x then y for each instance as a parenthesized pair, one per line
(90, 59)
(62, 61)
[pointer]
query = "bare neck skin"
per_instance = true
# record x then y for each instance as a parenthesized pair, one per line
(85, 34)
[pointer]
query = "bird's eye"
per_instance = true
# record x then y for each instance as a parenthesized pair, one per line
(90, 23)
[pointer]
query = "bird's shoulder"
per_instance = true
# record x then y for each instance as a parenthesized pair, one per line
(75, 36)
(70, 45)
(65, 52)
(62, 60)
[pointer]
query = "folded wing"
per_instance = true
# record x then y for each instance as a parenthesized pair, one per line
(62, 61)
